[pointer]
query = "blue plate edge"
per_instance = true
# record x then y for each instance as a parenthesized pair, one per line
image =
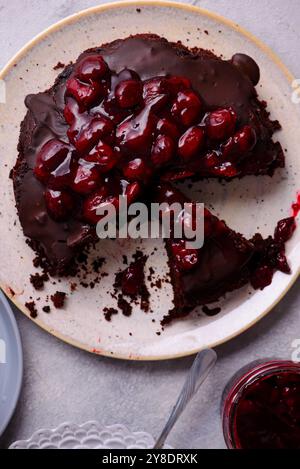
(19, 352)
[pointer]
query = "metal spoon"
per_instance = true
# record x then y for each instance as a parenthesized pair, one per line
(200, 369)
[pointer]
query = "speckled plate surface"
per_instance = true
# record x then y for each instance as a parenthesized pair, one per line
(247, 205)
(11, 363)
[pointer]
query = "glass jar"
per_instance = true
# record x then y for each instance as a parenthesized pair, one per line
(261, 406)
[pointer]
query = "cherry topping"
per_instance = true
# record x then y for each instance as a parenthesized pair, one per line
(176, 175)
(281, 262)
(155, 89)
(99, 127)
(128, 93)
(191, 142)
(137, 169)
(50, 156)
(211, 159)
(284, 229)
(167, 127)
(262, 277)
(220, 124)
(226, 169)
(135, 134)
(131, 278)
(99, 199)
(186, 107)
(87, 178)
(86, 94)
(59, 204)
(177, 83)
(132, 192)
(60, 177)
(71, 110)
(185, 259)
(91, 67)
(245, 139)
(103, 156)
(162, 150)
(242, 142)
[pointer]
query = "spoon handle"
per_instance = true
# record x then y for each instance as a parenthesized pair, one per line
(198, 372)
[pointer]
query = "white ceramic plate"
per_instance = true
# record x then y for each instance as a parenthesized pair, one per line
(240, 202)
(90, 435)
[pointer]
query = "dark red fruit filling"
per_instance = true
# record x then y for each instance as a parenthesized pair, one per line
(162, 150)
(129, 93)
(191, 143)
(131, 278)
(124, 130)
(59, 203)
(87, 178)
(91, 68)
(220, 124)
(186, 259)
(186, 108)
(285, 229)
(267, 414)
(51, 155)
(100, 199)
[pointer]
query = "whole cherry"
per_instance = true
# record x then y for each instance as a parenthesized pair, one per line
(220, 124)
(91, 67)
(104, 156)
(99, 201)
(137, 170)
(59, 204)
(87, 178)
(163, 150)
(186, 108)
(191, 143)
(128, 93)
(98, 127)
(50, 156)
(86, 94)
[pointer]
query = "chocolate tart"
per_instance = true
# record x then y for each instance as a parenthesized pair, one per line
(133, 115)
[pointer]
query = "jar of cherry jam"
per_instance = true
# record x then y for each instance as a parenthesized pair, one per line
(261, 407)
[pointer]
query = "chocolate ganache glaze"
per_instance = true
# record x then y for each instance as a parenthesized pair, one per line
(219, 83)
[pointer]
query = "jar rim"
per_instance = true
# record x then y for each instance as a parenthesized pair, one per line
(263, 369)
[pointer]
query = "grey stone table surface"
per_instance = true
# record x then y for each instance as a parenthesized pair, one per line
(62, 383)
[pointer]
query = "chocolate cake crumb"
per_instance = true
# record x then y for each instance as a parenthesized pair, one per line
(11, 292)
(109, 312)
(30, 305)
(46, 309)
(124, 306)
(58, 299)
(58, 66)
(211, 311)
(38, 280)
(98, 264)
(131, 281)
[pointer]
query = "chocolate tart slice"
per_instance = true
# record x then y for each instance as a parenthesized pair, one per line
(225, 262)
